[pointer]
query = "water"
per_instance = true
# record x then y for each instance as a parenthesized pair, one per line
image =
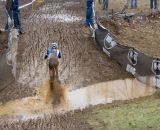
(66, 18)
(100, 93)
(61, 14)
(108, 92)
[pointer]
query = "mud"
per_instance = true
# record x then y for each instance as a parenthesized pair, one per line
(54, 98)
(3, 41)
(55, 122)
(49, 99)
(41, 109)
(82, 64)
(6, 72)
(3, 17)
(141, 32)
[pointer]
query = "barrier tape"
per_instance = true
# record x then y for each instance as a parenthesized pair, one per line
(23, 6)
(143, 67)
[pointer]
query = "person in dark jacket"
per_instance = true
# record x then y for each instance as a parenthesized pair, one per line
(153, 4)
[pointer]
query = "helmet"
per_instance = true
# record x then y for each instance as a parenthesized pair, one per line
(54, 45)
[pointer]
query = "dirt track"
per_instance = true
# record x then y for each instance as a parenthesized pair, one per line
(50, 122)
(82, 62)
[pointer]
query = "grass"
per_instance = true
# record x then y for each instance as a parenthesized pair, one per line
(139, 115)
(142, 114)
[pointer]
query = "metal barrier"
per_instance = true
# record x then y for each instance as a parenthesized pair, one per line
(143, 67)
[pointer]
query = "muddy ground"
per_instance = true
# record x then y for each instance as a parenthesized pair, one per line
(82, 63)
(138, 114)
(143, 36)
(141, 33)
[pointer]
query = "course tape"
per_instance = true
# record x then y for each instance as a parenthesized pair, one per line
(145, 68)
(23, 6)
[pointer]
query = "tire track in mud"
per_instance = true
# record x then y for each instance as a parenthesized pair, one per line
(80, 55)
(50, 122)
(82, 62)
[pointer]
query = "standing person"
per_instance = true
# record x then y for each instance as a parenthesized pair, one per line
(16, 15)
(89, 14)
(133, 4)
(12, 7)
(105, 4)
(153, 4)
(90, 17)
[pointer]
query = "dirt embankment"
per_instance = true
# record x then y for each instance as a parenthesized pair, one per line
(142, 34)
(143, 31)
(82, 64)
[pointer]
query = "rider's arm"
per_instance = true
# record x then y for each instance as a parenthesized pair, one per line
(46, 56)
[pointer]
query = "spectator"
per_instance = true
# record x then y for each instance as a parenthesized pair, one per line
(89, 14)
(133, 4)
(12, 7)
(153, 4)
(105, 4)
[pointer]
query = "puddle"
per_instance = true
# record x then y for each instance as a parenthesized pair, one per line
(60, 17)
(48, 7)
(101, 93)
(71, 4)
(150, 80)
(32, 107)
(107, 92)
(49, 12)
